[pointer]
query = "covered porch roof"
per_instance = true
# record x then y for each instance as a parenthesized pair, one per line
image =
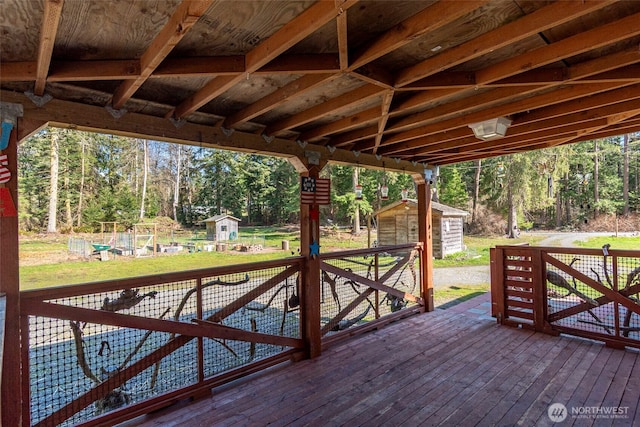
(393, 83)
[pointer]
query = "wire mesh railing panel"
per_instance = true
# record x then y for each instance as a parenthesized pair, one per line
(628, 283)
(347, 295)
(67, 358)
(573, 300)
(264, 301)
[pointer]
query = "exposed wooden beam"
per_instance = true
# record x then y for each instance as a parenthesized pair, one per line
(511, 140)
(18, 71)
(593, 129)
(302, 64)
(200, 67)
(359, 119)
(384, 116)
(580, 71)
(50, 22)
(557, 96)
(73, 71)
(483, 99)
(521, 127)
(79, 116)
(343, 45)
(424, 141)
(532, 24)
(428, 20)
(291, 33)
(347, 138)
(179, 24)
(375, 75)
(358, 96)
(590, 103)
(295, 88)
(571, 46)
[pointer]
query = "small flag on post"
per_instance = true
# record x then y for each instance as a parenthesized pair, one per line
(315, 191)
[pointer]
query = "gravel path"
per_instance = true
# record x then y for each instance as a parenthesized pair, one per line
(452, 276)
(477, 275)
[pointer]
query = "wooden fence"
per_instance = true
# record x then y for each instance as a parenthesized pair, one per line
(592, 293)
(104, 352)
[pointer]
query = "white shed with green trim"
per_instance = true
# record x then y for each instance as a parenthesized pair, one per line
(222, 228)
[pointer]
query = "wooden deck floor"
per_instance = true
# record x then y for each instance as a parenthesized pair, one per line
(452, 367)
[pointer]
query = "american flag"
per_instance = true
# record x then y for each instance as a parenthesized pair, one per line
(5, 174)
(315, 191)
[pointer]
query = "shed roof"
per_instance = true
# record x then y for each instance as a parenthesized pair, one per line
(443, 209)
(217, 218)
(377, 79)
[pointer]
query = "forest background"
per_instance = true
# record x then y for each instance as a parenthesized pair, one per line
(70, 181)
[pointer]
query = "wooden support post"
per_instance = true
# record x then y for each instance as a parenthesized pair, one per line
(498, 309)
(11, 390)
(310, 292)
(425, 236)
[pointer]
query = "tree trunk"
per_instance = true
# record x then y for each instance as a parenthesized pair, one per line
(81, 189)
(596, 178)
(567, 201)
(476, 191)
(558, 209)
(625, 174)
(145, 167)
(67, 192)
(176, 188)
(512, 218)
(53, 185)
(356, 215)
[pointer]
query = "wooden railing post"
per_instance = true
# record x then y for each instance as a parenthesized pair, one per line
(497, 284)
(425, 236)
(11, 389)
(310, 292)
(539, 290)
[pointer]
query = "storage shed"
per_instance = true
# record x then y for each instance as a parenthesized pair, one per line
(398, 224)
(222, 227)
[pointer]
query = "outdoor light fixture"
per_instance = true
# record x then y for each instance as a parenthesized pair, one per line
(490, 129)
(404, 194)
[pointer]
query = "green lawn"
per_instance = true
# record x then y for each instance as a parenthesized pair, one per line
(477, 252)
(452, 295)
(632, 243)
(36, 273)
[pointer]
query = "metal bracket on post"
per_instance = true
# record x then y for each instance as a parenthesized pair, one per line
(38, 100)
(313, 157)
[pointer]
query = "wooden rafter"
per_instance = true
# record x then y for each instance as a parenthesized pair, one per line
(295, 30)
(382, 123)
(359, 119)
(428, 20)
(182, 20)
(349, 99)
(50, 21)
(295, 88)
(530, 63)
(558, 96)
(93, 118)
(571, 46)
(343, 45)
(529, 25)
